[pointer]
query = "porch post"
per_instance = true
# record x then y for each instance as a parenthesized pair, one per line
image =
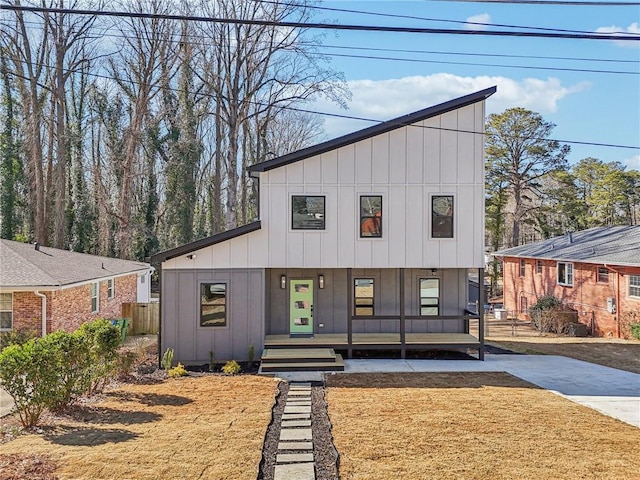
(403, 345)
(349, 313)
(481, 304)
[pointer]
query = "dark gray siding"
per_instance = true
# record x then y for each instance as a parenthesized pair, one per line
(330, 303)
(181, 308)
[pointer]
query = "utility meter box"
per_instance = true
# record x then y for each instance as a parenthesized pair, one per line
(611, 305)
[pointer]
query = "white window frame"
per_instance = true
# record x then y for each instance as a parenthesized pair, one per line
(5, 310)
(634, 286)
(539, 266)
(567, 281)
(95, 285)
(111, 288)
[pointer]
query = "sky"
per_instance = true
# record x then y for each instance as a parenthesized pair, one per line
(586, 106)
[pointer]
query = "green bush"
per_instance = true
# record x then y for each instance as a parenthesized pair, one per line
(231, 368)
(26, 373)
(635, 330)
(16, 337)
(167, 359)
(546, 302)
(252, 353)
(177, 371)
(103, 340)
(212, 358)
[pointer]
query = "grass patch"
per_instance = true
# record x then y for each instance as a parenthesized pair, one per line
(472, 425)
(207, 427)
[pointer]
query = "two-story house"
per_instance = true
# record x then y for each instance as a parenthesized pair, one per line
(594, 271)
(363, 242)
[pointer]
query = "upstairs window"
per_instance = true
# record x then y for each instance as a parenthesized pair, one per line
(634, 286)
(307, 212)
(6, 312)
(370, 216)
(213, 305)
(363, 297)
(538, 266)
(442, 216)
(429, 296)
(603, 275)
(111, 288)
(95, 297)
(565, 274)
(523, 266)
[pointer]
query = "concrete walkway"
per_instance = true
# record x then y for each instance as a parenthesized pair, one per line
(610, 391)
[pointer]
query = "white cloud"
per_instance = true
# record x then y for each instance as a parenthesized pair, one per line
(632, 163)
(386, 99)
(476, 19)
(633, 29)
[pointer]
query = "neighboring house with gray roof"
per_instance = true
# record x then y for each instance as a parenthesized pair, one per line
(48, 289)
(595, 271)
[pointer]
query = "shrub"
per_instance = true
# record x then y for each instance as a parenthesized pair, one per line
(28, 374)
(177, 371)
(167, 359)
(212, 358)
(550, 315)
(16, 337)
(103, 340)
(635, 330)
(231, 368)
(126, 361)
(252, 353)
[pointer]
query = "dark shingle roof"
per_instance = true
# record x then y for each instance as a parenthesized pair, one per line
(602, 245)
(21, 265)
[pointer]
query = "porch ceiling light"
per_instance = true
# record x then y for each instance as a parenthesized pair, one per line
(321, 281)
(283, 281)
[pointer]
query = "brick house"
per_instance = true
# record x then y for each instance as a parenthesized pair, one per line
(48, 289)
(594, 271)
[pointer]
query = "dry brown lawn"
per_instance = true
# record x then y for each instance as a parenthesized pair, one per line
(472, 425)
(210, 427)
(610, 352)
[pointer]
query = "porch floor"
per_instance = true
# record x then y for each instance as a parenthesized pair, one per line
(375, 341)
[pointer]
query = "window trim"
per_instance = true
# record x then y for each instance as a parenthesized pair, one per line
(523, 268)
(539, 266)
(95, 295)
(373, 297)
(324, 214)
(226, 305)
(420, 297)
(434, 216)
(600, 274)
(111, 288)
(4, 311)
(636, 278)
(373, 218)
(569, 272)
(524, 304)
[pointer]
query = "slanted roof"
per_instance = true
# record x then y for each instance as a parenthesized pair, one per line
(205, 242)
(21, 265)
(601, 245)
(373, 131)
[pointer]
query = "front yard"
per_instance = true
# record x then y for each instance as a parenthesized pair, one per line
(187, 428)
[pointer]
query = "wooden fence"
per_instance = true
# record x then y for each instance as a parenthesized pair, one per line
(145, 317)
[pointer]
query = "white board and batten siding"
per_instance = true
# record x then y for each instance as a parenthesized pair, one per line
(406, 166)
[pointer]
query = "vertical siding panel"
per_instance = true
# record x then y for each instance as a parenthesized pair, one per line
(381, 160)
(478, 226)
(414, 227)
(330, 167)
(188, 292)
(363, 161)
(277, 176)
(466, 145)
(312, 170)
(430, 246)
(449, 153)
(395, 208)
(329, 247)
(239, 299)
(295, 172)
(278, 225)
(465, 238)
(432, 148)
(312, 249)
(479, 143)
(346, 165)
(415, 153)
(398, 155)
(347, 226)
(239, 252)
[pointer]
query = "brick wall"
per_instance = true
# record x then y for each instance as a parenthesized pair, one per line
(587, 295)
(69, 308)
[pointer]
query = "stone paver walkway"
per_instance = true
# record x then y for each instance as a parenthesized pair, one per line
(294, 460)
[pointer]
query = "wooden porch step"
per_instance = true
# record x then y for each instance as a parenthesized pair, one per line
(298, 355)
(337, 365)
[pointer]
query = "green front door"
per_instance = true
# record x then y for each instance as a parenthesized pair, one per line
(301, 307)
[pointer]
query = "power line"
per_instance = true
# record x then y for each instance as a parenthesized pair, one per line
(352, 117)
(547, 2)
(327, 26)
(493, 65)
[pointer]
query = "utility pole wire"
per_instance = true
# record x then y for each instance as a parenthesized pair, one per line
(326, 26)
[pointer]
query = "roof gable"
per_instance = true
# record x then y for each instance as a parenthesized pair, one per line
(618, 245)
(25, 266)
(379, 129)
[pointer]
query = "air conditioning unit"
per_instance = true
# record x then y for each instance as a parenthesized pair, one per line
(500, 314)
